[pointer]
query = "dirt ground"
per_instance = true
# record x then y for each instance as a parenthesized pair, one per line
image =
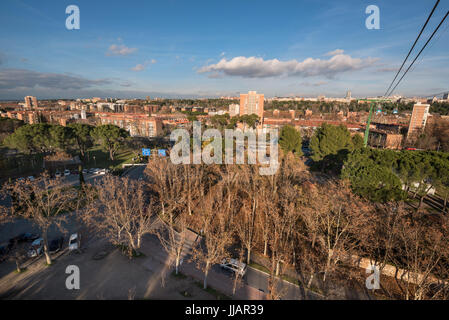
(112, 277)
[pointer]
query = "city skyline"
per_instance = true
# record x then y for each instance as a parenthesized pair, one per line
(205, 49)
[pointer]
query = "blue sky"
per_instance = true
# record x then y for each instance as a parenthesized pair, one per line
(213, 48)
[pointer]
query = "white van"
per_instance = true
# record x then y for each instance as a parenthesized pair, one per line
(234, 265)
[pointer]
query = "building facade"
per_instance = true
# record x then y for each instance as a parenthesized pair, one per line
(252, 103)
(417, 121)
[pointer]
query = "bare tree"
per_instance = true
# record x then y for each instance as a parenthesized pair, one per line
(44, 202)
(172, 235)
(120, 209)
(214, 221)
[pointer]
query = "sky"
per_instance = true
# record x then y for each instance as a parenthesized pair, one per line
(212, 48)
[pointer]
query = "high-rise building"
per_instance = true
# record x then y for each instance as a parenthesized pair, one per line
(30, 102)
(252, 103)
(348, 95)
(418, 120)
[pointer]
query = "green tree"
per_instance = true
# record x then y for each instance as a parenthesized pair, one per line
(371, 180)
(290, 140)
(329, 140)
(83, 136)
(357, 141)
(111, 138)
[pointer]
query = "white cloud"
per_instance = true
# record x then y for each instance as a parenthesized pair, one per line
(141, 67)
(119, 50)
(334, 53)
(252, 67)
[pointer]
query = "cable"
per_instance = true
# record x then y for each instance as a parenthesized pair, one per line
(413, 46)
(425, 45)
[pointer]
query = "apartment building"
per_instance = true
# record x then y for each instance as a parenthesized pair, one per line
(252, 103)
(137, 124)
(30, 102)
(418, 121)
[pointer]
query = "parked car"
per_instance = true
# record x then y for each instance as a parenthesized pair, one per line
(24, 237)
(85, 171)
(73, 242)
(102, 171)
(58, 174)
(20, 179)
(30, 178)
(37, 248)
(92, 170)
(55, 245)
(234, 265)
(67, 172)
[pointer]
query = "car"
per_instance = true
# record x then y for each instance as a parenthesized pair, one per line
(21, 179)
(234, 265)
(55, 245)
(85, 171)
(37, 248)
(92, 170)
(73, 242)
(67, 172)
(102, 171)
(24, 237)
(58, 174)
(30, 178)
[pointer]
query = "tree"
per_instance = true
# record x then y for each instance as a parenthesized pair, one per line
(357, 141)
(82, 134)
(44, 202)
(290, 140)
(215, 222)
(330, 145)
(110, 137)
(371, 180)
(119, 209)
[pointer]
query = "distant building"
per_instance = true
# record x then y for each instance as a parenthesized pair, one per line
(234, 110)
(30, 102)
(446, 96)
(348, 95)
(83, 114)
(418, 120)
(251, 103)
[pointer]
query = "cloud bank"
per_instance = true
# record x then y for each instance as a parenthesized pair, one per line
(21, 78)
(253, 67)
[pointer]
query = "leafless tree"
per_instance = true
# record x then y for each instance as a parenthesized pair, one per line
(120, 210)
(214, 221)
(44, 202)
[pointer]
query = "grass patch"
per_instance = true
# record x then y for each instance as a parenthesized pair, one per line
(125, 250)
(22, 270)
(179, 275)
(97, 158)
(259, 267)
(218, 295)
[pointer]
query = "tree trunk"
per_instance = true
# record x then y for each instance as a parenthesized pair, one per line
(265, 247)
(249, 256)
(47, 255)
(206, 272)
(177, 264)
(111, 154)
